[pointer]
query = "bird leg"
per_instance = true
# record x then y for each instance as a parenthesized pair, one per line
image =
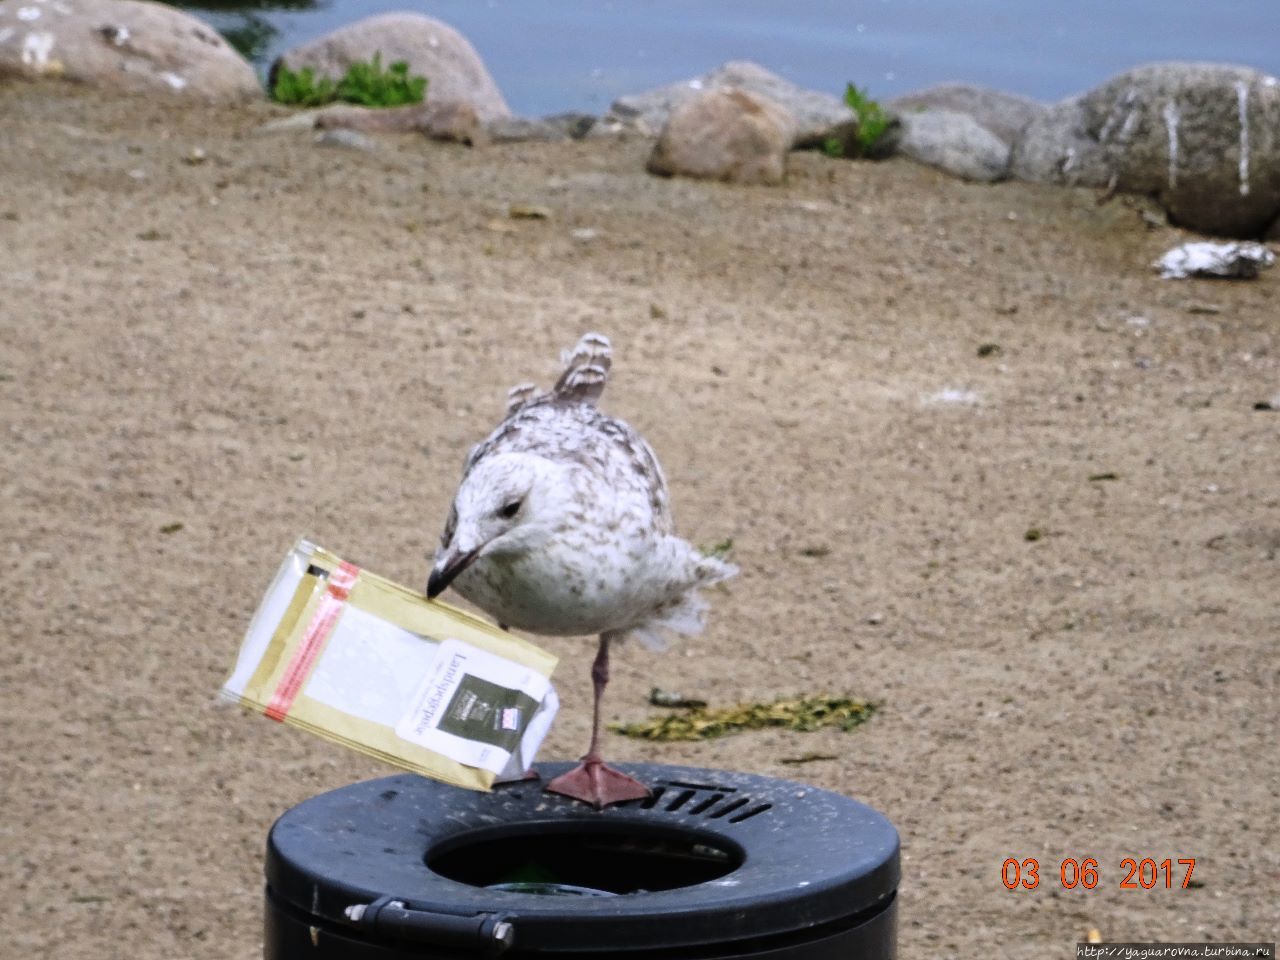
(592, 781)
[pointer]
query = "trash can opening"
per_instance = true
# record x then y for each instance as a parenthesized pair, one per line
(583, 859)
(717, 864)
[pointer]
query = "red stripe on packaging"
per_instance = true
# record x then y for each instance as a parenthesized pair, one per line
(304, 658)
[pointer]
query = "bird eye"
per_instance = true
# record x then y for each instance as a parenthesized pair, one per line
(510, 510)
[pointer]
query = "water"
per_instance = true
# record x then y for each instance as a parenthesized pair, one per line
(554, 55)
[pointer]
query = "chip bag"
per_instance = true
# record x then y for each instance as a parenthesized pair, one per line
(362, 661)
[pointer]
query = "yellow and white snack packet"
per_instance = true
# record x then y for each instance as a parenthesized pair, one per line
(364, 662)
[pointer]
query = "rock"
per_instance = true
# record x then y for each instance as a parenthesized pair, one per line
(347, 139)
(575, 125)
(350, 116)
(523, 129)
(127, 45)
(955, 143)
(557, 126)
(725, 134)
(295, 120)
(1200, 137)
(434, 50)
(610, 127)
(453, 121)
(1004, 114)
(1054, 148)
(815, 115)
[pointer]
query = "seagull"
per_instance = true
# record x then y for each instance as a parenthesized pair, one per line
(561, 526)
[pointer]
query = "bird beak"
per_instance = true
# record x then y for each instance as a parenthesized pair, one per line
(447, 570)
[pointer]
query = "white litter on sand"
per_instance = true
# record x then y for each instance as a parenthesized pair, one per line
(1241, 258)
(957, 396)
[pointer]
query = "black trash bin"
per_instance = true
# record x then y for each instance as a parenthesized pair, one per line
(714, 865)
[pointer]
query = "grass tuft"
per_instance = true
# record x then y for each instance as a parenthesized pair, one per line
(873, 124)
(365, 83)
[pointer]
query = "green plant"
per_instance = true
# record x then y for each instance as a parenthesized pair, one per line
(369, 84)
(721, 550)
(302, 89)
(873, 121)
(364, 83)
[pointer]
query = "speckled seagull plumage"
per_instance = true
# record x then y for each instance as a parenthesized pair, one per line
(589, 548)
(561, 524)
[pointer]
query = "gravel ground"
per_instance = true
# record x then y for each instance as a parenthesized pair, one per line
(978, 463)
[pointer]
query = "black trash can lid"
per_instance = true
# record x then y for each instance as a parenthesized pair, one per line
(711, 858)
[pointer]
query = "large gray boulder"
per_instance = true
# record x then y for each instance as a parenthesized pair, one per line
(432, 49)
(127, 45)
(815, 115)
(725, 134)
(1055, 147)
(556, 126)
(1203, 138)
(954, 143)
(1004, 114)
(448, 120)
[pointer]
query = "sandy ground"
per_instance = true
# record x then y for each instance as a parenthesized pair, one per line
(287, 340)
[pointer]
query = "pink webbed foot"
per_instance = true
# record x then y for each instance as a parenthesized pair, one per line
(598, 784)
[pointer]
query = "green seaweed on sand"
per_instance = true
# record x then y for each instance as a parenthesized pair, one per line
(803, 714)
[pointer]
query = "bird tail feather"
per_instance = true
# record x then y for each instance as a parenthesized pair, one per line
(586, 370)
(519, 395)
(686, 614)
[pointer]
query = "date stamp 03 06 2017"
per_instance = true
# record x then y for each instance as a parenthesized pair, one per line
(1144, 874)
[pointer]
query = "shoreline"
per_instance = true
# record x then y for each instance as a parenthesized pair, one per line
(1004, 64)
(1195, 135)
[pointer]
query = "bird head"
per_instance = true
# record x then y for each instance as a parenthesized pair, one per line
(501, 508)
